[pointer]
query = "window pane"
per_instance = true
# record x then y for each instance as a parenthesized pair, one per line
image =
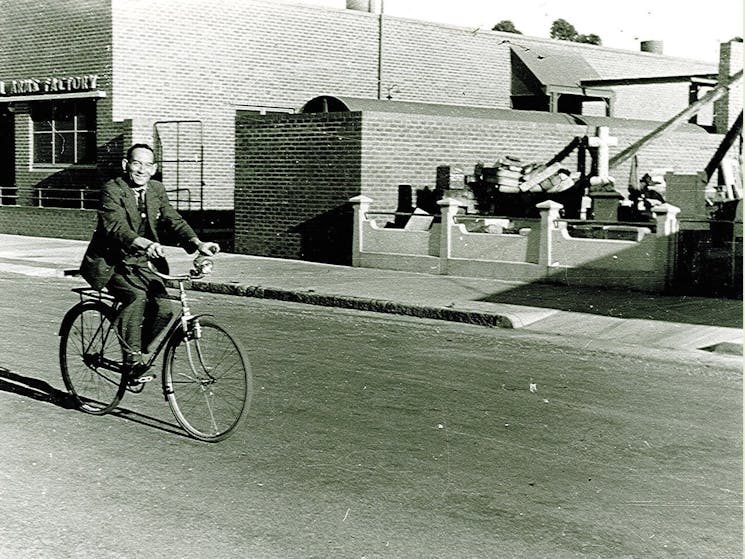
(41, 114)
(86, 147)
(42, 148)
(86, 111)
(64, 148)
(63, 116)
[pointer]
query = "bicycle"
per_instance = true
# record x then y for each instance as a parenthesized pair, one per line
(206, 377)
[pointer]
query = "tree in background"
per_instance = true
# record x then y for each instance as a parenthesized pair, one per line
(591, 39)
(507, 26)
(562, 30)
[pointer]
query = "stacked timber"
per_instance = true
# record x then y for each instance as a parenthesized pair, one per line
(509, 176)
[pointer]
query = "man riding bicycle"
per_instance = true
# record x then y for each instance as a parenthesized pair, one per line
(133, 207)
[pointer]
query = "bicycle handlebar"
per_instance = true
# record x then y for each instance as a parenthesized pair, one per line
(202, 266)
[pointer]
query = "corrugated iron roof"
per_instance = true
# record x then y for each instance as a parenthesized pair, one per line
(333, 103)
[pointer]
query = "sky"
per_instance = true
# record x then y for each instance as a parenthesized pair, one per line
(688, 29)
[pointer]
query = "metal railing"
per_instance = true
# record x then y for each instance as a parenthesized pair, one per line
(8, 196)
(80, 198)
(182, 132)
(177, 200)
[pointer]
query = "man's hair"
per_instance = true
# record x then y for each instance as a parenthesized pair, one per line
(138, 146)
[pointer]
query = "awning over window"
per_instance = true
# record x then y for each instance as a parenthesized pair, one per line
(535, 73)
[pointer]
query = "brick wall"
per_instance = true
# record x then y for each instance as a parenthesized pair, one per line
(279, 54)
(428, 63)
(66, 39)
(47, 222)
(295, 173)
(727, 108)
(205, 59)
(406, 149)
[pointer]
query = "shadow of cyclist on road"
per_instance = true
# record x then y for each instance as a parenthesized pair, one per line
(34, 388)
(42, 391)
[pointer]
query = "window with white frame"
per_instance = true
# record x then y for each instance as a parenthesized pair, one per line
(64, 132)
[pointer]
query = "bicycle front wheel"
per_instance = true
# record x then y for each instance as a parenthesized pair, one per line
(207, 380)
(90, 358)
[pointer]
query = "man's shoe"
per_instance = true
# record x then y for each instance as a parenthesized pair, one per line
(138, 373)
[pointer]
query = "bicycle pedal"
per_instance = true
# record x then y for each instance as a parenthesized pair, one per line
(141, 379)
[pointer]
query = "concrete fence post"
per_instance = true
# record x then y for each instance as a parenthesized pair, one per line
(361, 205)
(666, 216)
(666, 253)
(550, 213)
(448, 209)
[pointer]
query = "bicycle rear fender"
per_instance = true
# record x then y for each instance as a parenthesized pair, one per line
(71, 314)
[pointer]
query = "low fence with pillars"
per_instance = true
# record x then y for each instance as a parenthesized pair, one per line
(542, 250)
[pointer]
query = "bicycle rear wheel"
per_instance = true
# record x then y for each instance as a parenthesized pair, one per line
(90, 357)
(207, 380)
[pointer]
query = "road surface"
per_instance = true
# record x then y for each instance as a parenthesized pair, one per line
(376, 436)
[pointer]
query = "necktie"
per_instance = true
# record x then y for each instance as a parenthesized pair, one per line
(141, 202)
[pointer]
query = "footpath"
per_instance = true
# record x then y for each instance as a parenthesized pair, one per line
(626, 317)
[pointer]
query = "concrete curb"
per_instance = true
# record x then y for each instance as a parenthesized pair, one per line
(727, 348)
(468, 311)
(357, 303)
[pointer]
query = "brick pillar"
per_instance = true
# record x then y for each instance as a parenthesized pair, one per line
(729, 106)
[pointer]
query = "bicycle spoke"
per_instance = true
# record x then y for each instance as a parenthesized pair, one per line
(89, 359)
(210, 383)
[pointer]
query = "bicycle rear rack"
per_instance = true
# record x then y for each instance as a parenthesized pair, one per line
(94, 294)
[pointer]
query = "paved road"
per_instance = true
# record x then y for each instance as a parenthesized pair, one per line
(377, 436)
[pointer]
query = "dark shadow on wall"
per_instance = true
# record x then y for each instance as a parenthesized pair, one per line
(710, 262)
(69, 188)
(77, 186)
(211, 225)
(110, 157)
(327, 237)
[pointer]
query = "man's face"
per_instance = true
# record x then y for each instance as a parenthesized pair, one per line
(140, 167)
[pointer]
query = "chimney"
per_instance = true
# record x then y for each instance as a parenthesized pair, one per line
(372, 6)
(727, 109)
(654, 47)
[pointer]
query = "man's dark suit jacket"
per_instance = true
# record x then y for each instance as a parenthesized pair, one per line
(118, 223)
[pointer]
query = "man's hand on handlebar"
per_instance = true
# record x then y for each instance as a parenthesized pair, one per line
(155, 250)
(208, 248)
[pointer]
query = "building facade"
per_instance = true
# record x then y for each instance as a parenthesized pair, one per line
(80, 80)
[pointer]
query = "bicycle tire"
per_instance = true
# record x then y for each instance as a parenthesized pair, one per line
(207, 381)
(86, 339)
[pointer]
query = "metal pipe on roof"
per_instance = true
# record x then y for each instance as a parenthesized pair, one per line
(380, 52)
(685, 114)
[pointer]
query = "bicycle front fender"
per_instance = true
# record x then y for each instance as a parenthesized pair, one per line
(177, 327)
(202, 314)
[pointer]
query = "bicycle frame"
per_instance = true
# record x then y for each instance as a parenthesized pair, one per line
(180, 320)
